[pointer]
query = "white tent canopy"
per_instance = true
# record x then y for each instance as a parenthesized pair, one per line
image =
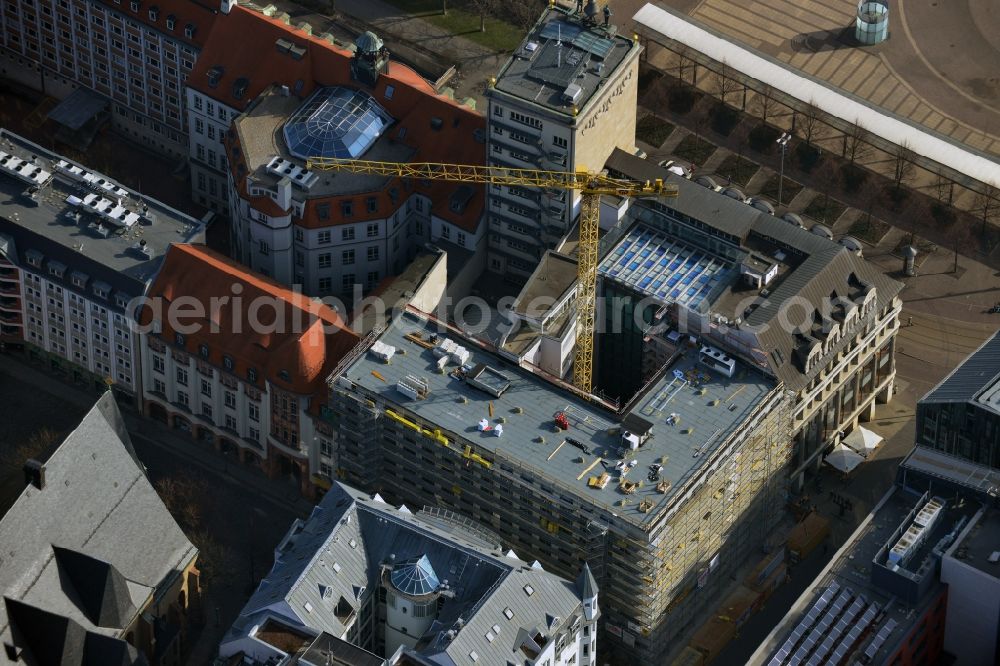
(843, 459)
(863, 441)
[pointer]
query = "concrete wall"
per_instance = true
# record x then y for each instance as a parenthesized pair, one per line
(973, 620)
(608, 121)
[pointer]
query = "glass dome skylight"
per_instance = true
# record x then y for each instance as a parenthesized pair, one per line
(335, 122)
(415, 577)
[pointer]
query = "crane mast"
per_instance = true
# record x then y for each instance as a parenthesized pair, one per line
(591, 186)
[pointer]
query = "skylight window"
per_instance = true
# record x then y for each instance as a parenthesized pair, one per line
(336, 122)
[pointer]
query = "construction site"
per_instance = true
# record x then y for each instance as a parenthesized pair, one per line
(665, 498)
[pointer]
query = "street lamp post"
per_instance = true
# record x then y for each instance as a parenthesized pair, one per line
(783, 142)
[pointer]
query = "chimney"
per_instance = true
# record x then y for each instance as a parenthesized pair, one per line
(34, 473)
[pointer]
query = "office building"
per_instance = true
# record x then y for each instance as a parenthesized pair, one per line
(127, 59)
(805, 310)
(564, 100)
(294, 96)
(662, 499)
(960, 416)
(246, 373)
(881, 601)
(95, 570)
(77, 249)
(365, 583)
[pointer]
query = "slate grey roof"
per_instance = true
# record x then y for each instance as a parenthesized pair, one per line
(101, 591)
(980, 370)
(97, 515)
(43, 226)
(338, 554)
(585, 583)
(814, 280)
(821, 266)
(693, 200)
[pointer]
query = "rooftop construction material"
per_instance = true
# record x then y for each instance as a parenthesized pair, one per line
(687, 415)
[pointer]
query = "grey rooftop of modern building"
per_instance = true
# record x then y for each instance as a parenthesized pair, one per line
(85, 213)
(694, 270)
(976, 379)
(848, 611)
(979, 545)
(564, 61)
(690, 410)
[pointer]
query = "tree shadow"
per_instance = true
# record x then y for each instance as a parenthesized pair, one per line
(819, 41)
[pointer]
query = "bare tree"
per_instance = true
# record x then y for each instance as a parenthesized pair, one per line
(184, 496)
(215, 560)
(944, 189)
(987, 205)
(485, 7)
(856, 143)
(681, 59)
(37, 444)
(763, 103)
(902, 165)
(871, 190)
(741, 135)
(724, 82)
(810, 125)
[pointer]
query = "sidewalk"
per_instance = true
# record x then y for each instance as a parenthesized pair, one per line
(156, 434)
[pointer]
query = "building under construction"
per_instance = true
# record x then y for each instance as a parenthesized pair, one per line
(663, 499)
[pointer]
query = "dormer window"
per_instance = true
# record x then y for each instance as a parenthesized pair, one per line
(154, 13)
(203, 351)
(189, 30)
(102, 290)
(171, 21)
(227, 363)
(179, 339)
(214, 75)
(252, 375)
(135, 4)
(284, 376)
(34, 258)
(121, 300)
(79, 280)
(57, 269)
(240, 87)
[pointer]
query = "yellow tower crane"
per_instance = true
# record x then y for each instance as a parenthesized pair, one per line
(591, 186)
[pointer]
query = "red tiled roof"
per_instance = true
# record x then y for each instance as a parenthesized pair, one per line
(201, 14)
(285, 332)
(243, 45)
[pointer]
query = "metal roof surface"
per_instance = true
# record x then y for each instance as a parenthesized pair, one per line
(340, 550)
(97, 502)
(977, 372)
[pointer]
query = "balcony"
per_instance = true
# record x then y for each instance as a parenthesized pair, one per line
(10, 304)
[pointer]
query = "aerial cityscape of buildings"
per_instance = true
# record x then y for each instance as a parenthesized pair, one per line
(293, 279)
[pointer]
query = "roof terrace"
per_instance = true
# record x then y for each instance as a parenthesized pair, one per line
(861, 604)
(564, 62)
(686, 415)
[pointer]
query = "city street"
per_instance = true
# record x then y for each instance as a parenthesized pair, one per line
(240, 524)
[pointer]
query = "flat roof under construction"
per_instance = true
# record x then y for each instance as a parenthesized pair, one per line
(708, 407)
